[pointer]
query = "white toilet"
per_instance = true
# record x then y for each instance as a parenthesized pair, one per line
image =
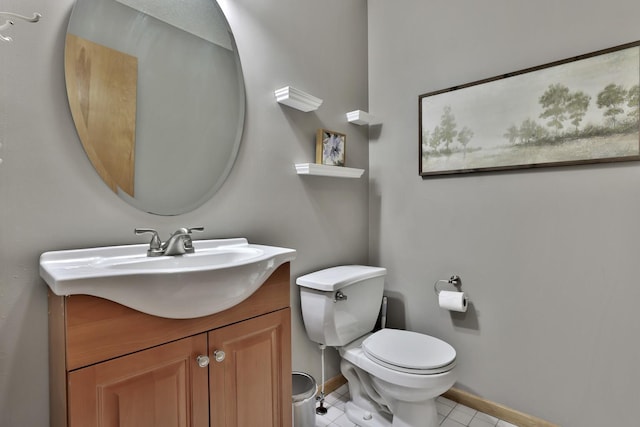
(394, 376)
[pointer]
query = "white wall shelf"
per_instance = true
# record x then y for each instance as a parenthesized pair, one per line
(359, 117)
(295, 98)
(326, 170)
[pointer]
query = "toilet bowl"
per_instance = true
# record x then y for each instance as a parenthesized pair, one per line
(393, 375)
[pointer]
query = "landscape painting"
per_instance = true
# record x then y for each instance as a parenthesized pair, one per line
(581, 110)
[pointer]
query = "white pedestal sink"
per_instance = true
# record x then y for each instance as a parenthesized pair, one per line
(220, 274)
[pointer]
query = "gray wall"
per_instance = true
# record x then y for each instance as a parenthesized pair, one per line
(548, 257)
(50, 197)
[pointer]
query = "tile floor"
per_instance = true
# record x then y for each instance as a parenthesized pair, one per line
(450, 413)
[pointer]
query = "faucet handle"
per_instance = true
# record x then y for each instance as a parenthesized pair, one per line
(188, 243)
(155, 244)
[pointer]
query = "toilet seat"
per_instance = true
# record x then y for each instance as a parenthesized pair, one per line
(353, 353)
(409, 352)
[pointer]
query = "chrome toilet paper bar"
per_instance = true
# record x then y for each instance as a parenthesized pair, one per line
(454, 280)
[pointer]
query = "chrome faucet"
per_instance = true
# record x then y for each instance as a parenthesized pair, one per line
(178, 244)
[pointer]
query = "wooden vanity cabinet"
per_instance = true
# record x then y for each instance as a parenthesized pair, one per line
(113, 366)
(248, 381)
(160, 386)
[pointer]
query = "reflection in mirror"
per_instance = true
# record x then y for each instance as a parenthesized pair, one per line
(156, 93)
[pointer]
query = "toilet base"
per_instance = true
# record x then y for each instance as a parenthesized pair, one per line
(365, 418)
(379, 403)
(423, 414)
(411, 414)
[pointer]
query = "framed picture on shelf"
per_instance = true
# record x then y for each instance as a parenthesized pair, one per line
(330, 147)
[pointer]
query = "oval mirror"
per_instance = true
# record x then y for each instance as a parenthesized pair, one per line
(156, 93)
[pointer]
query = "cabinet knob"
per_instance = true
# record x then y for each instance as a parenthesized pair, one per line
(219, 355)
(203, 361)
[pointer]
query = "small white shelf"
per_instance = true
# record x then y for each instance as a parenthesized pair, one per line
(359, 117)
(295, 98)
(325, 170)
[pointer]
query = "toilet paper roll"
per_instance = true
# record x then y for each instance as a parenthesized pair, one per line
(454, 301)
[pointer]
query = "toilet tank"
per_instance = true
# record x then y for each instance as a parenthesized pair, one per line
(340, 304)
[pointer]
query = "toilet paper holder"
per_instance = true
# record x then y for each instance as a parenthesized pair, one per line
(454, 280)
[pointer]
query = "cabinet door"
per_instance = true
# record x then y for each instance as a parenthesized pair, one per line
(251, 381)
(160, 387)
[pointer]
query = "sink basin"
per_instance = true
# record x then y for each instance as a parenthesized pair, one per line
(220, 274)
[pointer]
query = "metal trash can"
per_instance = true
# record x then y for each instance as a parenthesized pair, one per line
(304, 392)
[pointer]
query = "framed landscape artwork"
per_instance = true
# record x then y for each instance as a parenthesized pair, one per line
(580, 110)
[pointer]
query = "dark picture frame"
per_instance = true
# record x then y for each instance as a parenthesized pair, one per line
(576, 111)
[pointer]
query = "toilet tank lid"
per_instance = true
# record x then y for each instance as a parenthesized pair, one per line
(334, 278)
